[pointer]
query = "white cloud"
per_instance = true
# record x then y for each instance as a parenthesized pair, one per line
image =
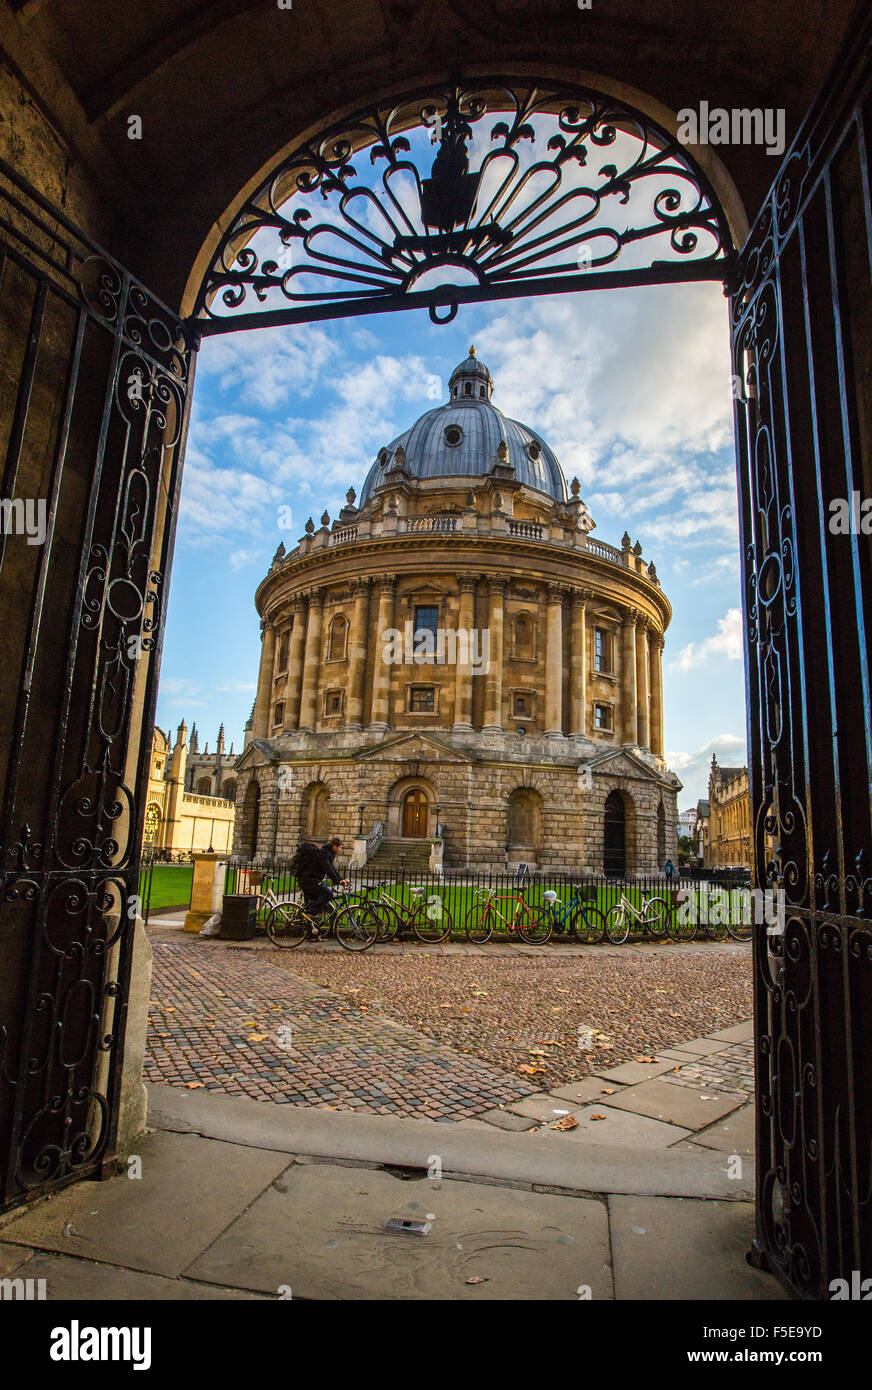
(693, 768)
(268, 367)
(727, 641)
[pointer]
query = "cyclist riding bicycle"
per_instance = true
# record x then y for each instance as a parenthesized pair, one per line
(320, 864)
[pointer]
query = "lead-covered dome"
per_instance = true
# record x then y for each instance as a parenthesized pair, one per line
(462, 439)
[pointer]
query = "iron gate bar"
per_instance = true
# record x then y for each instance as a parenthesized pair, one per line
(451, 296)
(68, 883)
(802, 297)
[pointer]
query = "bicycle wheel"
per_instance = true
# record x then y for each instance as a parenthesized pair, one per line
(715, 931)
(356, 926)
(657, 917)
(538, 925)
(478, 923)
(288, 925)
(681, 923)
(387, 920)
(617, 925)
(432, 920)
(588, 924)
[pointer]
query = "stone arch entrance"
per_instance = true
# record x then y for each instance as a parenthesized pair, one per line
(524, 817)
(415, 815)
(315, 812)
(615, 835)
(250, 819)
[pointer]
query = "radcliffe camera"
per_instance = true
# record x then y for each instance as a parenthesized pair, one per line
(435, 705)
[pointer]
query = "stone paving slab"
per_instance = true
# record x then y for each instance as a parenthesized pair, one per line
(189, 1190)
(674, 1248)
(663, 1100)
(228, 1020)
(11, 1256)
(540, 1107)
(731, 1071)
(505, 1119)
(321, 1230)
(741, 1032)
(601, 1124)
(701, 1047)
(630, 1073)
(588, 1089)
(88, 1280)
(735, 1134)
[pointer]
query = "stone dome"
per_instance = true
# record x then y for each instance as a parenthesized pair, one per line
(462, 438)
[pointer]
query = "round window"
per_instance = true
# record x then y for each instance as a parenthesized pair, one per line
(533, 451)
(383, 457)
(453, 435)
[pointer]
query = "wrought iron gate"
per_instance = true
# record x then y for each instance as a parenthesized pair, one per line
(95, 381)
(802, 344)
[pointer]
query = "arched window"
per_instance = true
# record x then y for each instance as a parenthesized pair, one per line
(278, 713)
(467, 389)
(615, 835)
(482, 392)
(250, 819)
(316, 812)
(282, 658)
(661, 835)
(228, 791)
(151, 835)
(204, 786)
(337, 639)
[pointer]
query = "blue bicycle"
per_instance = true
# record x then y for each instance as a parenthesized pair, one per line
(579, 917)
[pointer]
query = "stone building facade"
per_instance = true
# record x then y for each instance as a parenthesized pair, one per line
(458, 652)
(211, 774)
(176, 820)
(728, 837)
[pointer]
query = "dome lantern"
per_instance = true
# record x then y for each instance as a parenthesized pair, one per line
(470, 380)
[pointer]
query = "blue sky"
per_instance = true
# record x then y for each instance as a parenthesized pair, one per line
(630, 387)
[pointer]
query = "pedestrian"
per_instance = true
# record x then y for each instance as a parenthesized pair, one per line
(320, 863)
(670, 871)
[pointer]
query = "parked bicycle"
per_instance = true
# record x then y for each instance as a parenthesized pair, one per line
(349, 916)
(580, 917)
(533, 924)
(652, 916)
(426, 916)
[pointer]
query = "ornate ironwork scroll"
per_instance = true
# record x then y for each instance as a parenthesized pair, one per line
(101, 378)
(802, 344)
(534, 188)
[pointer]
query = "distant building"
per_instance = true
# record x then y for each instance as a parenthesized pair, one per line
(729, 828)
(701, 831)
(211, 774)
(178, 819)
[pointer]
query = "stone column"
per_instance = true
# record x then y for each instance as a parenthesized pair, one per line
(263, 700)
(381, 683)
(656, 658)
(493, 688)
(294, 682)
(578, 669)
(463, 675)
(643, 734)
(312, 661)
(629, 694)
(357, 655)
(554, 664)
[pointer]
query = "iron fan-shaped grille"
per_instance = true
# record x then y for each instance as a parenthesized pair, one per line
(533, 189)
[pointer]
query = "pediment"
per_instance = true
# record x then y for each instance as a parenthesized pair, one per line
(623, 762)
(415, 747)
(257, 754)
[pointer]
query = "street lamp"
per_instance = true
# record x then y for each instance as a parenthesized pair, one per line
(361, 808)
(438, 810)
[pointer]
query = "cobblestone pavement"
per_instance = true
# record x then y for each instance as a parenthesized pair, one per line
(731, 1070)
(226, 1019)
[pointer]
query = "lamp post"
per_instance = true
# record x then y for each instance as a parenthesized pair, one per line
(361, 808)
(438, 811)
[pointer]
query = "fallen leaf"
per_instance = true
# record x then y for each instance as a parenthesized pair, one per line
(530, 1071)
(597, 1117)
(568, 1122)
(257, 1037)
(194, 1085)
(607, 1090)
(536, 1052)
(646, 1059)
(476, 1280)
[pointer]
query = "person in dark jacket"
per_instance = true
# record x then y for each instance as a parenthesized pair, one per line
(321, 865)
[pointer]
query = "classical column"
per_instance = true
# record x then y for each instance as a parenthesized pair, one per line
(312, 661)
(357, 655)
(294, 682)
(554, 664)
(642, 716)
(578, 668)
(656, 655)
(263, 700)
(381, 684)
(463, 675)
(629, 676)
(493, 681)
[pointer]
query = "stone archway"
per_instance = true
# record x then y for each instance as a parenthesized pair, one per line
(524, 825)
(250, 820)
(615, 835)
(315, 812)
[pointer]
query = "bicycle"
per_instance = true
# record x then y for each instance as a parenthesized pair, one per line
(533, 924)
(354, 923)
(581, 917)
(430, 920)
(651, 916)
(681, 922)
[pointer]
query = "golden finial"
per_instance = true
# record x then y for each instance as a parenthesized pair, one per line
(472, 349)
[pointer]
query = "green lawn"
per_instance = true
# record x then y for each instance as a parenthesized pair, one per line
(170, 886)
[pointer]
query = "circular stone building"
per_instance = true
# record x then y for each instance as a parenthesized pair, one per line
(458, 652)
